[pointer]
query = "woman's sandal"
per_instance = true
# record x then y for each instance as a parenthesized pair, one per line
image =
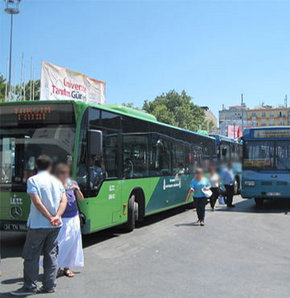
(68, 273)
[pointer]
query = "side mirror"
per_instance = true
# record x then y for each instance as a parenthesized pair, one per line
(95, 143)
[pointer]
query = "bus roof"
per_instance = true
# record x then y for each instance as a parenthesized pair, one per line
(220, 138)
(267, 133)
(119, 109)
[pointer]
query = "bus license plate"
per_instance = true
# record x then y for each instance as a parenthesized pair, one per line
(273, 194)
(14, 227)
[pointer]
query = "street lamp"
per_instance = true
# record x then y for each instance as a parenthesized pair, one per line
(12, 8)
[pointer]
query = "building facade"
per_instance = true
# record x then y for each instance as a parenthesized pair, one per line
(268, 116)
(234, 116)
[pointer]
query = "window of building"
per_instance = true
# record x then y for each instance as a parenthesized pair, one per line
(271, 122)
(263, 122)
(263, 114)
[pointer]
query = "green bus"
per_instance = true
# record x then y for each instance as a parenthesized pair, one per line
(127, 164)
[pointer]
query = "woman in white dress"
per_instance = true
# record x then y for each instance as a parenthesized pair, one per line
(70, 253)
(214, 180)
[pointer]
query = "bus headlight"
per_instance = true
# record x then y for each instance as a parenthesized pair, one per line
(250, 183)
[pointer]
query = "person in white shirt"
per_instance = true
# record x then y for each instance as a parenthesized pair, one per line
(229, 180)
(48, 202)
(214, 180)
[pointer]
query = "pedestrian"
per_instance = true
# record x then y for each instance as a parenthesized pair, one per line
(48, 202)
(214, 180)
(69, 238)
(229, 180)
(200, 186)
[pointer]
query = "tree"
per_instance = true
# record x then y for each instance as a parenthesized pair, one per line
(131, 105)
(176, 109)
(2, 87)
(30, 85)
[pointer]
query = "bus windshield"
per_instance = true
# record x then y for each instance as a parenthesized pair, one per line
(267, 155)
(19, 148)
(283, 155)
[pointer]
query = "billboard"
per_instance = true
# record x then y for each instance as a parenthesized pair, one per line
(60, 83)
(234, 131)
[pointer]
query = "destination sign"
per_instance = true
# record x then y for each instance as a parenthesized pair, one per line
(35, 113)
(32, 113)
(271, 134)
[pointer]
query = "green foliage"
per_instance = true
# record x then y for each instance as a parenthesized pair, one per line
(131, 105)
(17, 92)
(2, 87)
(176, 109)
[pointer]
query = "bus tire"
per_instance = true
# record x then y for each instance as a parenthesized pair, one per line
(132, 214)
(259, 202)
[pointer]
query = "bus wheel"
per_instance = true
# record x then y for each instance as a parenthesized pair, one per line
(259, 202)
(132, 214)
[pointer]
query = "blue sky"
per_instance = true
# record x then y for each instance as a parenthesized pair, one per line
(215, 50)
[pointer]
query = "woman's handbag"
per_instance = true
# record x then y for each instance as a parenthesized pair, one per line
(222, 200)
(207, 193)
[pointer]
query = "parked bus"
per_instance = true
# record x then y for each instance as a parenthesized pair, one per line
(230, 150)
(266, 163)
(127, 164)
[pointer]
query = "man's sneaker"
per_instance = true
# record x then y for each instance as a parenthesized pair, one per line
(24, 292)
(43, 290)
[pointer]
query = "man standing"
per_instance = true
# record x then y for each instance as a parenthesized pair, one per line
(229, 180)
(48, 202)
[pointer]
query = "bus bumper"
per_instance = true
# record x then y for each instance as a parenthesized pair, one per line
(248, 193)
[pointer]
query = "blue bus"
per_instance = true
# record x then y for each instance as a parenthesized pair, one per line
(230, 150)
(266, 163)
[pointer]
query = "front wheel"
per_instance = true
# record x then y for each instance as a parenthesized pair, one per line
(132, 214)
(259, 202)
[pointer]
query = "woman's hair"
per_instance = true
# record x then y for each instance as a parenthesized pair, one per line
(61, 167)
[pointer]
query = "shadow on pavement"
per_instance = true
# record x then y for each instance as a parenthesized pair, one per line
(104, 235)
(99, 237)
(11, 244)
(12, 281)
(7, 294)
(154, 218)
(190, 224)
(270, 206)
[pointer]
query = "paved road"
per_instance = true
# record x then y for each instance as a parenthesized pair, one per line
(239, 253)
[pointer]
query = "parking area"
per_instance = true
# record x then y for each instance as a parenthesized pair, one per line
(241, 252)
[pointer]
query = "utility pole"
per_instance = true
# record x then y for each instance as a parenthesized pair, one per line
(242, 107)
(12, 8)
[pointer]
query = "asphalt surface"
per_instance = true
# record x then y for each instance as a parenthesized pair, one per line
(240, 252)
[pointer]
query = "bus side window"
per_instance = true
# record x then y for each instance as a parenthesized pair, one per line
(135, 156)
(162, 158)
(178, 160)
